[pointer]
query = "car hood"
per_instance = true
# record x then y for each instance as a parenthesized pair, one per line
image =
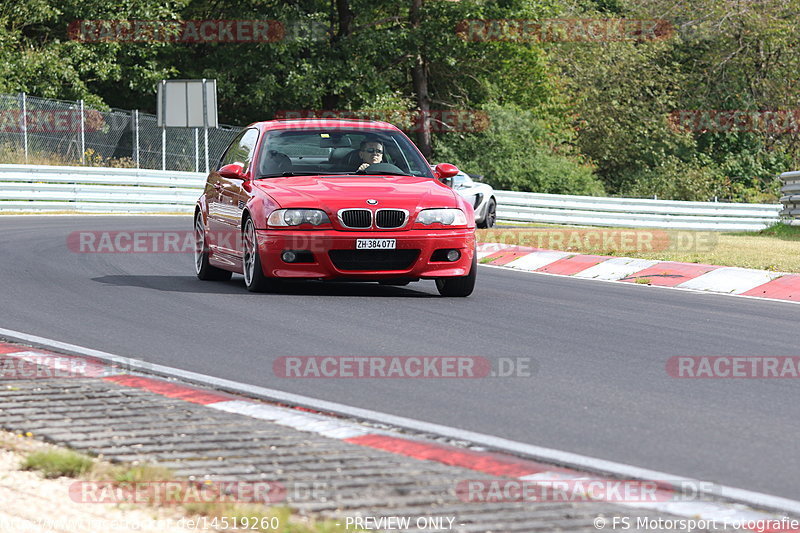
(334, 193)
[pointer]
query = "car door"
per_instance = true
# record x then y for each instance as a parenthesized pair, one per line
(229, 195)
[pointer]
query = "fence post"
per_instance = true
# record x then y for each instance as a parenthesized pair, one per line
(164, 148)
(136, 137)
(25, 124)
(83, 136)
(205, 121)
(196, 152)
(205, 141)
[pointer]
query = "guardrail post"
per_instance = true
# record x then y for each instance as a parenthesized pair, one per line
(790, 198)
(83, 136)
(24, 106)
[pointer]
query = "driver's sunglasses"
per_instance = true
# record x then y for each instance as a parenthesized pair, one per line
(373, 151)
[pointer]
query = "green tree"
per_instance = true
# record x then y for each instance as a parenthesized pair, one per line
(721, 56)
(38, 57)
(517, 152)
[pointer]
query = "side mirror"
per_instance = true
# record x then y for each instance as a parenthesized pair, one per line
(442, 171)
(232, 171)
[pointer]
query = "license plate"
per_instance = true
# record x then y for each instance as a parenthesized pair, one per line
(376, 244)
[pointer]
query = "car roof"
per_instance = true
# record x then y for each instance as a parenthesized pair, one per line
(324, 123)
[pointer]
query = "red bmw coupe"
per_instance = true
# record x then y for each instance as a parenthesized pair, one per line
(332, 199)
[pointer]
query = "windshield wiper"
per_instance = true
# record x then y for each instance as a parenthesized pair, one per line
(382, 173)
(290, 174)
(278, 175)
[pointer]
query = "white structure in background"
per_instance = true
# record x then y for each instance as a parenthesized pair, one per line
(187, 104)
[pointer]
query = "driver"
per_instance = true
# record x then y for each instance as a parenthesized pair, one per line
(371, 152)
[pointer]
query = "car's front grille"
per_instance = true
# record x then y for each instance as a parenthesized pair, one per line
(373, 259)
(356, 218)
(390, 218)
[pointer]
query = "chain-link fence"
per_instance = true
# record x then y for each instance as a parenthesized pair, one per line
(41, 130)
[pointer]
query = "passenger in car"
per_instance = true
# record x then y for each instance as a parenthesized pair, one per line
(371, 152)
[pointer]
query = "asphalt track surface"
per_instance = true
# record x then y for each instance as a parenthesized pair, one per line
(600, 349)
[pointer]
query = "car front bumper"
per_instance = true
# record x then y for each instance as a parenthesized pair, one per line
(324, 265)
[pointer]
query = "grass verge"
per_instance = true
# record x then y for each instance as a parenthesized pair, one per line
(58, 463)
(222, 515)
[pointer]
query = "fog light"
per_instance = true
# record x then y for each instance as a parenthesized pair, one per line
(453, 255)
(288, 256)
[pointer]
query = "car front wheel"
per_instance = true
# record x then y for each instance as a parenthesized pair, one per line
(461, 286)
(254, 278)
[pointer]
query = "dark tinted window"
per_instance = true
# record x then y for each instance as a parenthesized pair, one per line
(241, 149)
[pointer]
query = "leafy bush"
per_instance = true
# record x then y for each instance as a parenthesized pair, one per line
(516, 153)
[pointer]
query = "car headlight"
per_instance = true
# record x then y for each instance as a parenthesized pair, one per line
(297, 217)
(446, 217)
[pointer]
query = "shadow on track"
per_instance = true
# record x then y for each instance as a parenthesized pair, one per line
(191, 284)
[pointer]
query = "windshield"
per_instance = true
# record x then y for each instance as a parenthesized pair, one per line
(462, 181)
(340, 151)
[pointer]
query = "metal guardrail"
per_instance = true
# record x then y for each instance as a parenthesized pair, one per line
(790, 199)
(634, 212)
(33, 188)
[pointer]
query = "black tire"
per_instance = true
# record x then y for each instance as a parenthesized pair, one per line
(205, 270)
(491, 215)
(254, 278)
(459, 287)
